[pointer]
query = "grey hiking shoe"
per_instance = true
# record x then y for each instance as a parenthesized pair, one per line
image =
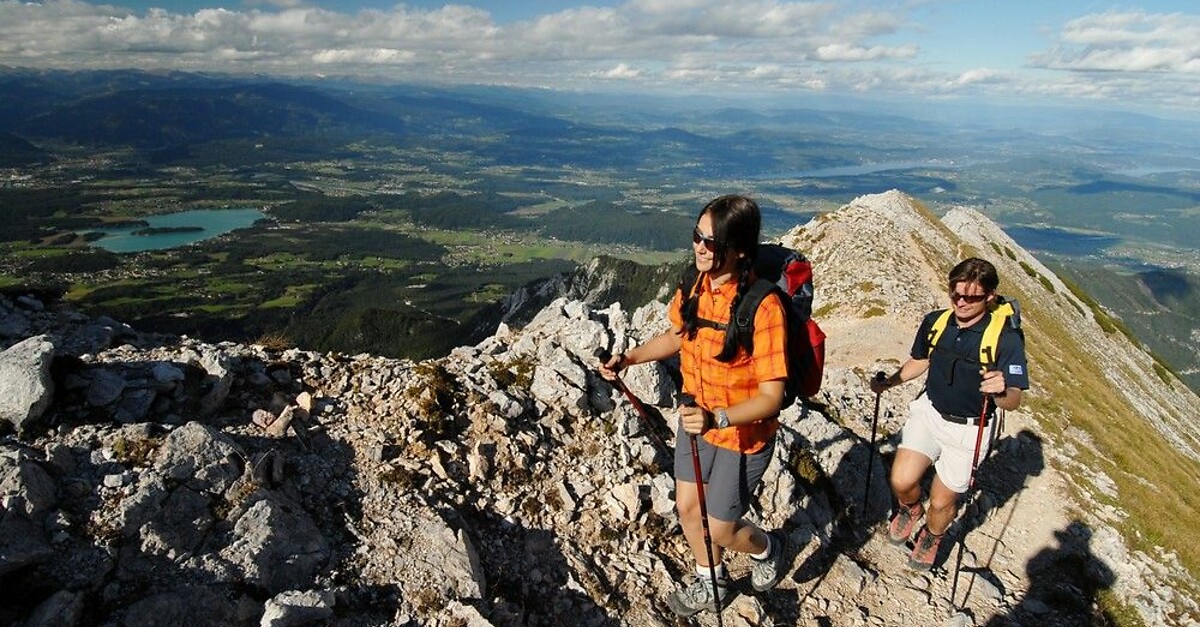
(696, 597)
(767, 572)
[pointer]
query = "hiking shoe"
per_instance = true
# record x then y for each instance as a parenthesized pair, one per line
(767, 572)
(696, 597)
(925, 551)
(904, 522)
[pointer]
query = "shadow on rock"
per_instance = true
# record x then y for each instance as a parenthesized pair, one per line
(171, 516)
(1064, 585)
(1000, 479)
(530, 583)
(826, 464)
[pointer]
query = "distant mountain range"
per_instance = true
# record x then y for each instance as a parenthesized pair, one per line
(575, 156)
(157, 117)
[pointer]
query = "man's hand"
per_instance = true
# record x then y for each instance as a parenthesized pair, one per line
(993, 383)
(880, 382)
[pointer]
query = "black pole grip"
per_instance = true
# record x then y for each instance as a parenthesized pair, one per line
(880, 377)
(604, 355)
(683, 399)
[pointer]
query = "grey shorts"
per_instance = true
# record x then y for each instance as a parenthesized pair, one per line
(951, 446)
(731, 478)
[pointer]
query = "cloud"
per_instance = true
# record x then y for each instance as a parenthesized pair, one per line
(676, 45)
(70, 33)
(1126, 42)
(980, 76)
(621, 71)
(844, 52)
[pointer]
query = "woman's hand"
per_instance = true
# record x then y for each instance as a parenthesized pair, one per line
(610, 368)
(694, 420)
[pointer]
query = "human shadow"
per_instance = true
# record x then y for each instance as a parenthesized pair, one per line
(1064, 585)
(839, 501)
(529, 580)
(1000, 478)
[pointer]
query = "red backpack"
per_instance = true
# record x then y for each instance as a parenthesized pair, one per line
(787, 272)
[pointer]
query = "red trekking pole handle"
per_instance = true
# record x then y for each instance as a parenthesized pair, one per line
(603, 354)
(983, 411)
(687, 400)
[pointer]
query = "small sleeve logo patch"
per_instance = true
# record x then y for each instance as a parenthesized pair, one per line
(1015, 369)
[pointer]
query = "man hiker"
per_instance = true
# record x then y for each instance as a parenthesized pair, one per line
(943, 421)
(737, 400)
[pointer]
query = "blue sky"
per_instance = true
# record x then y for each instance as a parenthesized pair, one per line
(1142, 56)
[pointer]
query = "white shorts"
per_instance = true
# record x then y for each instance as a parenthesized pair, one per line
(950, 445)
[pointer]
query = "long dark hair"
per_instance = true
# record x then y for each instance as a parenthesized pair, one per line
(736, 224)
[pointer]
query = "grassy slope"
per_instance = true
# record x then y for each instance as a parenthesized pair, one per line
(1156, 484)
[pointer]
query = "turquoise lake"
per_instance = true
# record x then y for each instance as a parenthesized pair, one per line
(213, 222)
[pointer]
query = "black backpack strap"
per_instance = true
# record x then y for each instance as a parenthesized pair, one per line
(688, 281)
(743, 318)
(687, 284)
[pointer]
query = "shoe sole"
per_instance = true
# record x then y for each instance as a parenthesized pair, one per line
(915, 565)
(687, 612)
(765, 588)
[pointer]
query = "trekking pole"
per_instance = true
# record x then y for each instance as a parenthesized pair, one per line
(603, 354)
(962, 540)
(879, 377)
(687, 400)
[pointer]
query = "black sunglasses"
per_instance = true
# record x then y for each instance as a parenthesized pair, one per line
(710, 243)
(970, 298)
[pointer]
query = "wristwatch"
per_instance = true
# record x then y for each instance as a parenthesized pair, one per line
(722, 418)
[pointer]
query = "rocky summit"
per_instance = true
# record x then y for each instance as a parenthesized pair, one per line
(154, 480)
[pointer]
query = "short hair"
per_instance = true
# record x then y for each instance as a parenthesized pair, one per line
(975, 270)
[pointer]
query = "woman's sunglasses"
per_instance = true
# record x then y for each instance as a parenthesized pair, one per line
(970, 298)
(710, 243)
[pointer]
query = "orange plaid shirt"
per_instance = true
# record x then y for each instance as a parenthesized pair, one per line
(718, 384)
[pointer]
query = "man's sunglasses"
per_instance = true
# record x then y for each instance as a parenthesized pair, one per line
(710, 243)
(970, 298)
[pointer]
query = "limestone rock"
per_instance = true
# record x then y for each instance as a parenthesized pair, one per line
(276, 546)
(26, 388)
(294, 608)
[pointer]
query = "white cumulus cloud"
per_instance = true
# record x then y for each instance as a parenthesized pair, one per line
(622, 71)
(1127, 42)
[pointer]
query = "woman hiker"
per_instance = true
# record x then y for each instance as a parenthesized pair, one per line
(737, 400)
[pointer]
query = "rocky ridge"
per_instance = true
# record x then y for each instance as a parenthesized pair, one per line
(153, 480)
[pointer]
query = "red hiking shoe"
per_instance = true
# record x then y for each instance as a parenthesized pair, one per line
(925, 551)
(905, 522)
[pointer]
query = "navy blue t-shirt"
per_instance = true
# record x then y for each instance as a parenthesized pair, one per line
(953, 379)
